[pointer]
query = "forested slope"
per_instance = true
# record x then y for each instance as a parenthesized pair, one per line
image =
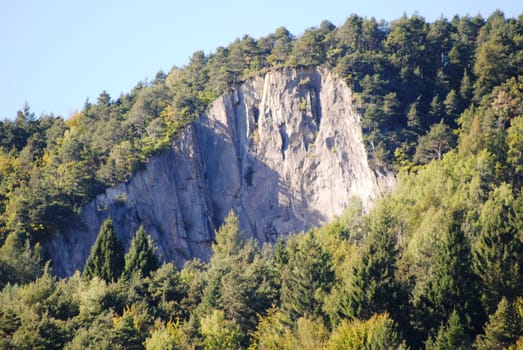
(435, 265)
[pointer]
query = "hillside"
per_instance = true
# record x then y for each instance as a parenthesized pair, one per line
(283, 150)
(326, 116)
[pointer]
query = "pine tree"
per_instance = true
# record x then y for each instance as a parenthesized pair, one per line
(141, 259)
(306, 279)
(220, 333)
(106, 259)
(465, 91)
(126, 331)
(503, 328)
(452, 287)
(228, 240)
(238, 278)
(451, 104)
(225, 258)
(450, 336)
(434, 144)
(372, 286)
(499, 251)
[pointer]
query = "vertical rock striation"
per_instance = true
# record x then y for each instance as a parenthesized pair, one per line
(285, 151)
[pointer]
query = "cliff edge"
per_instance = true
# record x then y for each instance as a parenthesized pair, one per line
(284, 150)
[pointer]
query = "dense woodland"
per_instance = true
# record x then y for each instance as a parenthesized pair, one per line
(435, 265)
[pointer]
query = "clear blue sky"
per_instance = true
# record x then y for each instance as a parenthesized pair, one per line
(55, 54)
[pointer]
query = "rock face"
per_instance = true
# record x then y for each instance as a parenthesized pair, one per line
(285, 151)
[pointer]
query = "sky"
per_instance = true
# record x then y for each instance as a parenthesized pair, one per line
(56, 54)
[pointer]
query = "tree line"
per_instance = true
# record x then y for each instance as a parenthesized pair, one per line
(411, 81)
(435, 265)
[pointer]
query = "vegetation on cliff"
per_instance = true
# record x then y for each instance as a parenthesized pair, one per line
(437, 264)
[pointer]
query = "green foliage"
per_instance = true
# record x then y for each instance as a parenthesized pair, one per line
(498, 250)
(166, 337)
(497, 39)
(310, 334)
(503, 328)
(450, 336)
(371, 285)
(238, 279)
(127, 330)
(452, 286)
(141, 258)
(40, 333)
(228, 239)
(515, 147)
(19, 262)
(427, 264)
(106, 259)
(434, 144)
(378, 332)
(36, 316)
(274, 333)
(168, 293)
(407, 76)
(94, 335)
(220, 333)
(306, 279)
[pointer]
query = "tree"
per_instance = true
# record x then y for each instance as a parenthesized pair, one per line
(106, 259)
(452, 286)
(228, 240)
(434, 144)
(238, 278)
(450, 336)
(414, 120)
(127, 330)
(378, 332)
(19, 262)
(372, 287)
(515, 146)
(310, 334)
(272, 332)
(498, 252)
(166, 337)
(40, 332)
(224, 262)
(494, 61)
(465, 90)
(503, 328)
(219, 333)
(309, 49)
(141, 258)
(306, 279)
(451, 104)
(168, 292)
(282, 42)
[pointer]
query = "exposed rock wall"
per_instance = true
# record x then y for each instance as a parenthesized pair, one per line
(285, 151)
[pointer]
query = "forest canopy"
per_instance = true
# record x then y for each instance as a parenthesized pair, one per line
(436, 264)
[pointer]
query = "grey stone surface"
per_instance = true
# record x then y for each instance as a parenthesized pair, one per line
(284, 150)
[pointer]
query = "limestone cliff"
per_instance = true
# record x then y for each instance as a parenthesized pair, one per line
(285, 151)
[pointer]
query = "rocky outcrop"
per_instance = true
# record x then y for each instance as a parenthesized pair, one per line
(285, 151)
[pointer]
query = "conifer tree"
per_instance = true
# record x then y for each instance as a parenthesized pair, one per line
(306, 279)
(141, 259)
(450, 336)
(225, 256)
(126, 331)
(107, 258)
(503, 328)
(498, 253)
(228, 240)
(372, 286)
(237, 278)
(452, 287)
